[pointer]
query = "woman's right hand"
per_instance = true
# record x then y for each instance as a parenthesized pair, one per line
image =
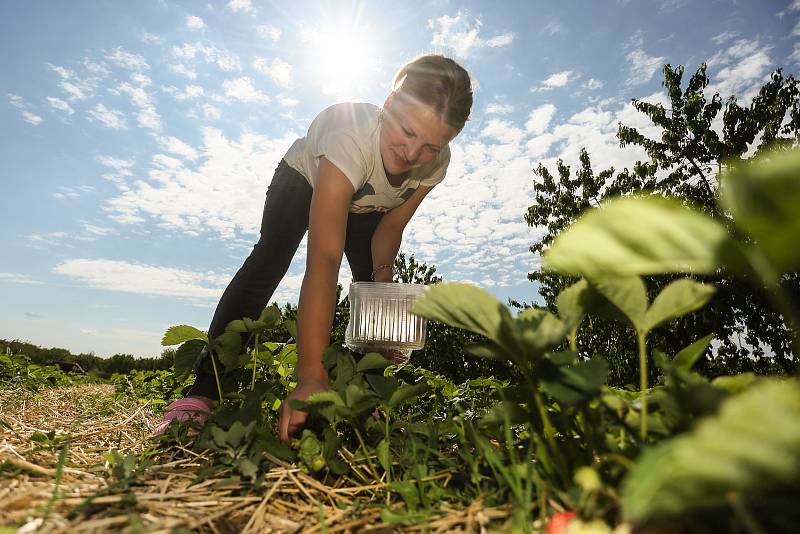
(291, 421)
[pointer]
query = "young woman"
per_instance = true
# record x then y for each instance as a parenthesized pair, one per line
(353, 182)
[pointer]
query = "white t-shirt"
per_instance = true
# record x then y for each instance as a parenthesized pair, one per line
(348, 135)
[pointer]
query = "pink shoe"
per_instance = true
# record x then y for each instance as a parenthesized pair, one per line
(196, 409)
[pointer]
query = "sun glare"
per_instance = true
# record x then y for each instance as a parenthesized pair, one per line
(346, 58)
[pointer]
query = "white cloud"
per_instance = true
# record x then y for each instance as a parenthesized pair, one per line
(669, 6)
(280, 71)
(505, 132)
(273, 32)
(795, 56)
(16, 101)
(147, 116)
(17, 278)
(504, 39)
(243, 89)
(240, 5)
(189, 92)
(559, 79)
(461, 34)
(19, 103)
(194, 23)
(553, 28)
(151, 38)
(723, 37)
(225, 60)
(642, 67)
(206, 197)
(287, 101)
(499, 109)
(593, 84)
(127, 60)
(173, 145)
(109, 118)
(120, 166)
(60, 105)
(126, 277)
(47, 240)
(210, 112)
(540, 118)
(77, 88)
(744, 67)
(97, 230)
(183, 70)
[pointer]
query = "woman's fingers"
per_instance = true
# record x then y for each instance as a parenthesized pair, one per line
(290, 421)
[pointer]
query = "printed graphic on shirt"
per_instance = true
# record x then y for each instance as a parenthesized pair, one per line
(367, 199)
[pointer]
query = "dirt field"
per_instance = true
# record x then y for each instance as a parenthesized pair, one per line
(63, 482)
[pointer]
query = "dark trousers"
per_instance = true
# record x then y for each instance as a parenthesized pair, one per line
(283, 225)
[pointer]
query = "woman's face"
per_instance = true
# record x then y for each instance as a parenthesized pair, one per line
(412, 134)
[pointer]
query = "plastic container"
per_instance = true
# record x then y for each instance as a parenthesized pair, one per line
(381, 319)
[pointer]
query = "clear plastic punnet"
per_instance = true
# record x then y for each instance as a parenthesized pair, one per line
(381, 319)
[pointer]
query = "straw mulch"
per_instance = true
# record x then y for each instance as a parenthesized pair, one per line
(163, 498)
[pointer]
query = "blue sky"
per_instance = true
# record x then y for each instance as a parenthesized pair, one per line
(138, 138)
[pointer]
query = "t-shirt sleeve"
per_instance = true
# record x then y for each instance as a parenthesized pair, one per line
(440, 171)
(340, 148)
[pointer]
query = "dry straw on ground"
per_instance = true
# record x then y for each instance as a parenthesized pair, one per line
(38, 497)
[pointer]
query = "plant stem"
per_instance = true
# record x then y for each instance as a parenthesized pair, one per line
(367, 455)
(643, 381)
(216, 373)
(255, 363)
(549, 434)
(573, 340)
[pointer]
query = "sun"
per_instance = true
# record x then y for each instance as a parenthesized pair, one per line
(346, 58)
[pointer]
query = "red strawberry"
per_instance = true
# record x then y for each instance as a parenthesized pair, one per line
(559, 521)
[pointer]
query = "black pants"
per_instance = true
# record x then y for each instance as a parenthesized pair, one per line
(283, 225)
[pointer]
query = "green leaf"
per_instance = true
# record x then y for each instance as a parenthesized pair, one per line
(247, 468)
(628, 294)
(345, 370)
(763, 197)
(236, 326)
(372, 360)
(384, 386)
(291, 327)
(329, 404)
(175, 335)
(578, 383)
(382, 451)
(538, 330)
(736, 383)
(237, 432)
(751, 447)
(688, 356)
(186, 357)
(677, 299)
(464, 306)
(270, 316)
(483, 350)
(226, 346)
(574, 303)
(407, 392)
(638, 236)
(360, 400)
(502, 413)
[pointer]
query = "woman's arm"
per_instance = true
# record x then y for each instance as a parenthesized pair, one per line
(327, 226)
(389, 234)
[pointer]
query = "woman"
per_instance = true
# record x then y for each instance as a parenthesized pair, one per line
(353, 182)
